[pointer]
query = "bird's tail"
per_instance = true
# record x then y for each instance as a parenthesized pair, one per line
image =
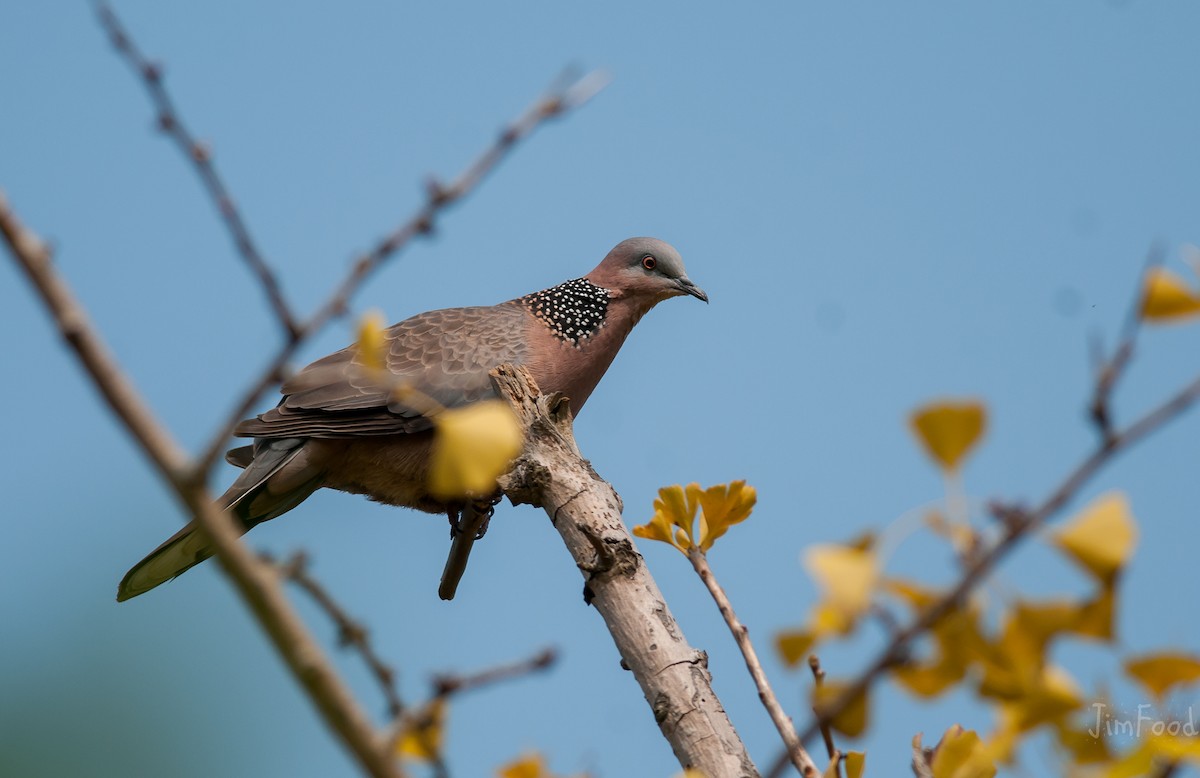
(251, 499)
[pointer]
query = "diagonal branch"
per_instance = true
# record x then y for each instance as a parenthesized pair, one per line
(258, 584)
(439, 197)
(1110, 371)
(200, 157)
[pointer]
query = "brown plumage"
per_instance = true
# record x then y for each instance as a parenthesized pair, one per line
(338, 429)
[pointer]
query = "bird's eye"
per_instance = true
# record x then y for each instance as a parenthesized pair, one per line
(649, 262)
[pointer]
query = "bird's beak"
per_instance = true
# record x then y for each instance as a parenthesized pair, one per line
(687, 287)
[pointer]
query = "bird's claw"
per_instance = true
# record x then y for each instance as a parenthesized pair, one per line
(484, 510)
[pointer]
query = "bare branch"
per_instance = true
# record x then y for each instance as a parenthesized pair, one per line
(814, 664)
(438, 198)
(1110, 371)
(351, 634)
(450, 685)
(200, 157)
(799, 757)
(257, 583)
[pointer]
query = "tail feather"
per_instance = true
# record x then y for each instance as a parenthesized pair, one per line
(185, 549)
(249, 498)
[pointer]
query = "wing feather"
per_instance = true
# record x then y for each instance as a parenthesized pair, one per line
(445, 355)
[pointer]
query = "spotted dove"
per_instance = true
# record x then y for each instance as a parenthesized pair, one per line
(338, 429)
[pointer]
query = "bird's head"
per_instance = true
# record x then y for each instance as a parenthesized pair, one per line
(645, 268)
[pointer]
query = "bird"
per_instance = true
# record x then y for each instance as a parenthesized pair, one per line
(335, 428)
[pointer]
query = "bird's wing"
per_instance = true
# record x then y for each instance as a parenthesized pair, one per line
(443, 355)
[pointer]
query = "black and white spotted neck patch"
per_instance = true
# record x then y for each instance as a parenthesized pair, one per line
(574, 310)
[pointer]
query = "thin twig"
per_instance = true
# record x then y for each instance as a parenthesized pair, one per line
(814, 664)
(351, 634)
(438, 198)
(1110, 371)
(200, 157)
(447, 685)
(835, 764)
(257, 583)
(741, 635)
(1018, 525)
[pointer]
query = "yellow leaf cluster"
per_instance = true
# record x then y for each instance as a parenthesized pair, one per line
(847, 576)
(675, 510)
(956, 638)
(1166, 297)
(948, 430)
(423, 733)
(472, 447)
(962, 754)
(1161, 672)
(1010, 666)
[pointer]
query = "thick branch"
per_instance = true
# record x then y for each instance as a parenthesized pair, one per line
(587, 513)
(257, 583)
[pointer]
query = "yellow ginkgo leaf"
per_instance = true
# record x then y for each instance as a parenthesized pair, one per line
(1096, 615)
(1051, 697)
(528, 766)
(931, 679)
(846, 575)
(1134, 763)
(948, 429)
(1086, 746)
(423, 732)
(1177, 748)
(721, 507)
(659, 528)
(957, 638)
(856, 764)
(674, 514)
(961, 754)
(915, 594)
(1102, 537)
(473, 446)
(852, 721)
(372, 342)
(793, 646)
(1152, 750)
(1166, 297)
(679, 506)
(1160, 672)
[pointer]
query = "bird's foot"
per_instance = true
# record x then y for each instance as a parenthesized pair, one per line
(483, 510)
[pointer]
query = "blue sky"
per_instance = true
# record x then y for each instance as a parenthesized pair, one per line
(886, 202)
